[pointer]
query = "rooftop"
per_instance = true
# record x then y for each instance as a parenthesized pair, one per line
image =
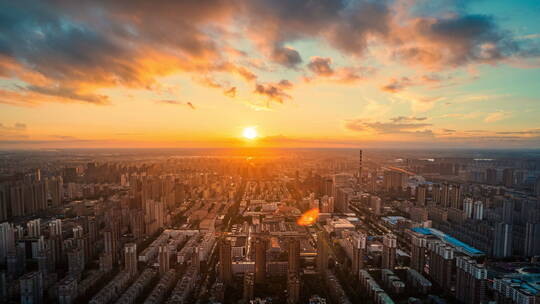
(465, 248)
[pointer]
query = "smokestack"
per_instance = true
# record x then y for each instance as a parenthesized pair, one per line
(360, 166)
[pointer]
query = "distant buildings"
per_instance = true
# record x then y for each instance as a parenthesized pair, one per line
(421, 192)
(394, 180)
(376, 204)
(174, 208)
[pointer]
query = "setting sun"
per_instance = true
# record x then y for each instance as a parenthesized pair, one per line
(250, 133)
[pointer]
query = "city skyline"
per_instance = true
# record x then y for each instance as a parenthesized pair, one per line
(284, 226)
(198, 74)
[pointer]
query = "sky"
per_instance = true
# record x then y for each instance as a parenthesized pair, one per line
(302, 73)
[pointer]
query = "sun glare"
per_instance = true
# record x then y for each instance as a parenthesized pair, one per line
(309, 217)
(250, 133)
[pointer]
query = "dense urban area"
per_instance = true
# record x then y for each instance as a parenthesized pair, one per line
(273, 226)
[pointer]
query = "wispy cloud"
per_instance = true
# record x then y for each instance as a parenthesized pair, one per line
(18, 126)
(274, 91)
(407, 119)
(322, 68)
(397, 85)
(497, 116)
(176, 102)
(392, 127)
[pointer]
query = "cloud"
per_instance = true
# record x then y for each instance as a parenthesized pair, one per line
(393, 127)
(274, 91)
(176, 102)
(524, 132)
(286, 56)
(397, 85)
(321, 66)
(77, 49)
(18, 126)
(470, 115)
(481, 97)
(456, 40)
(68, 94)
(497, 116)
(231, 92)
(407, 119)
(432, 78)
(71, 52)
(64, 137)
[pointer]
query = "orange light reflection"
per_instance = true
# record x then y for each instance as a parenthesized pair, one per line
(309, 217)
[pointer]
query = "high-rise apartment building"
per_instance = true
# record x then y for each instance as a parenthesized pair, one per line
(55, 189)
(67, 290)
(376, 204)
(389, 251)
(111, 244)
(322, 253)
(293, 288)
(502, 241)
(249, 286)
(421, 195)
(130, 258)
(260, 260)
(478, 210)
(34, 228)
(471, 281)
(394, 180)
(508, 177)
(225, 261)
(75, 261)
(293, 255)
(418, 252)
(445, 196)
(436, 194)
(359, 249)
(31, 285)
(491, 176)
(532, 238)
(7, 240)
(163, 259)
(455, 200)
(441, 264)
(5, 202)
